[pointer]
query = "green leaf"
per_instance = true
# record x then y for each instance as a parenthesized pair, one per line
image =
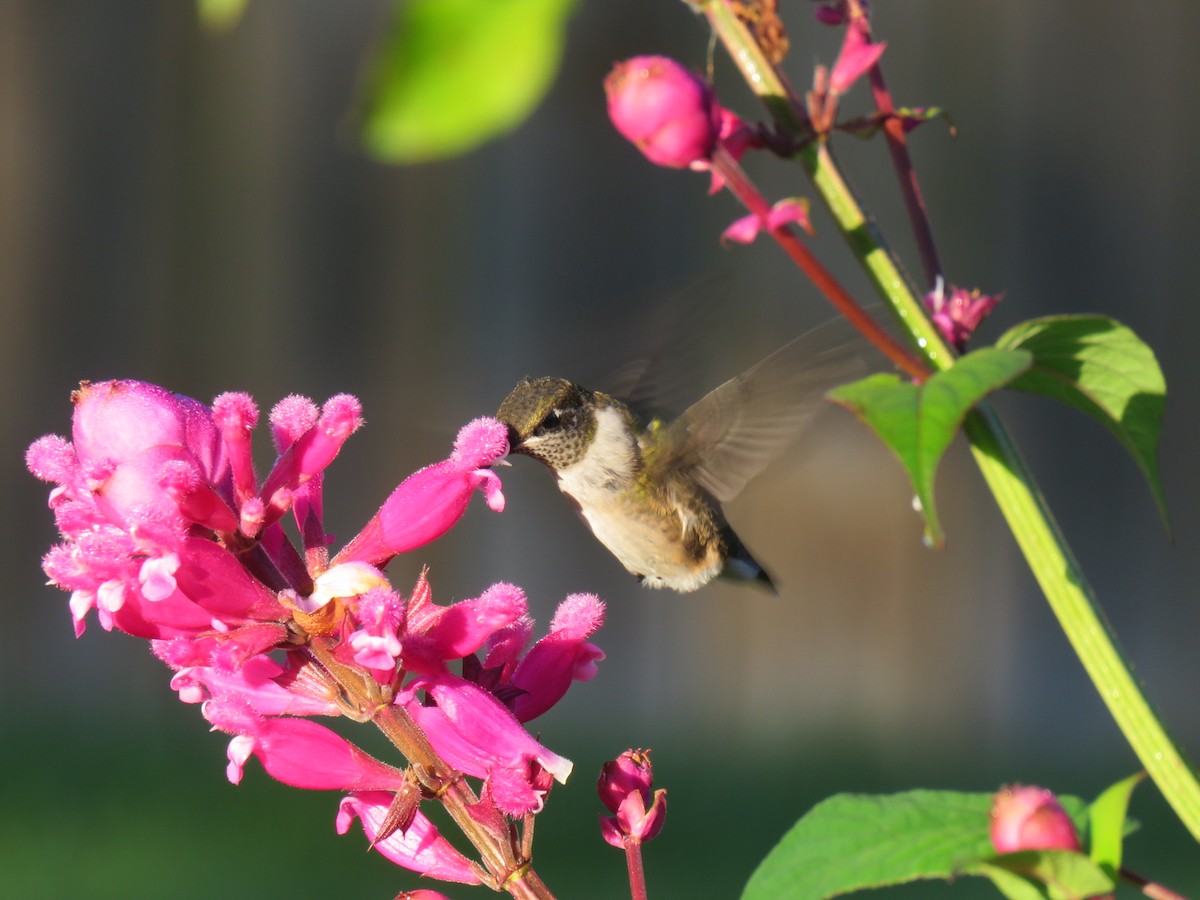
(220, 15)
(855, 841)
(1108, 823)
(1096, 364)
(918, 422)
(1052, 874)
(453, 74)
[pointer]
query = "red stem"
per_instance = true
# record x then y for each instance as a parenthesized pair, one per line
(637, 875)
(1150, 888)
(744, 189)
(897, 143)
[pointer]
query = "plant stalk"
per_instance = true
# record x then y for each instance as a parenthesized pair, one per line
(1020, 501)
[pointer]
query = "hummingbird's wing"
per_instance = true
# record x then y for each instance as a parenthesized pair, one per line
(732, 433)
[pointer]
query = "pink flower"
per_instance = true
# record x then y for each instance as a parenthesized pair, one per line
(564, 655)
(475, 733)
(419, 847)
(666, 110)
(856, 57)
(624, 788)
(169, 534)
(1031, 818)
(958, 315)
(428, 504)
(785, 212)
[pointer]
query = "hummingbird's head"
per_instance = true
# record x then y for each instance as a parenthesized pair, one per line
(550, 419)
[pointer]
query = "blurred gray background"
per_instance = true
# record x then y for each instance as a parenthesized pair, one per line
(194, 210)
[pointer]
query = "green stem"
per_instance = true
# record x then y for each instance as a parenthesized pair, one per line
(1045, 549)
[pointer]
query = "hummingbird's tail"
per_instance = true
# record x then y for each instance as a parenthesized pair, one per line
(740, 565)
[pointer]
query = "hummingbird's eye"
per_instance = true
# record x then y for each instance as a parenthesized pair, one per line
(558, 420)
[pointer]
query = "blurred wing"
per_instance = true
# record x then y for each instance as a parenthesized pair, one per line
(732, 433)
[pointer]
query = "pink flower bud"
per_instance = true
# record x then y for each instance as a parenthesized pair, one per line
(1031, 818)
(958, 314)
(624, 788)
(665, 109)
(116, 420)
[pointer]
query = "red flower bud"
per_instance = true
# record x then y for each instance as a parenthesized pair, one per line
(1031, 818)
(668, 111)
(625, 788)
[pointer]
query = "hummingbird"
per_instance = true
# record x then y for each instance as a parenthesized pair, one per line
(651, 492)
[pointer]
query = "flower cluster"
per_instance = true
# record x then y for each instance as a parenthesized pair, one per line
(168, 534)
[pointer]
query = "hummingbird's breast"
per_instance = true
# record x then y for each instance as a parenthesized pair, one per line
(657, 530)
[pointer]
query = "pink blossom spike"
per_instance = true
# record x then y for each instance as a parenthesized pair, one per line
(420, 847)
(857, 56)
(236, 416)
(563, 656)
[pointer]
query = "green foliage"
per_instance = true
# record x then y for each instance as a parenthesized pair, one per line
(1108, 824)
(452, 74)
(918, 422)
(1096, 364)
(1046, 875)
(854, 842)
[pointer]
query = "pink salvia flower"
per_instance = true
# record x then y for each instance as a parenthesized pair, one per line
(856, 58)
(664, 109)
(958, 314)
(297, 752)
(236, 416)
(420, 847)
(1031, 818)
(376, 643)
(168, 535)
(625, 789)
(793, 211)
(562, 656)
(428, 503)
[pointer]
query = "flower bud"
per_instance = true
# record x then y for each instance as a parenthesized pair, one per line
(624, 787)
(1031, 818)
(665, 109)
(958, 312)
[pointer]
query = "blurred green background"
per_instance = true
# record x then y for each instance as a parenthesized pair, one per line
(196, 210)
